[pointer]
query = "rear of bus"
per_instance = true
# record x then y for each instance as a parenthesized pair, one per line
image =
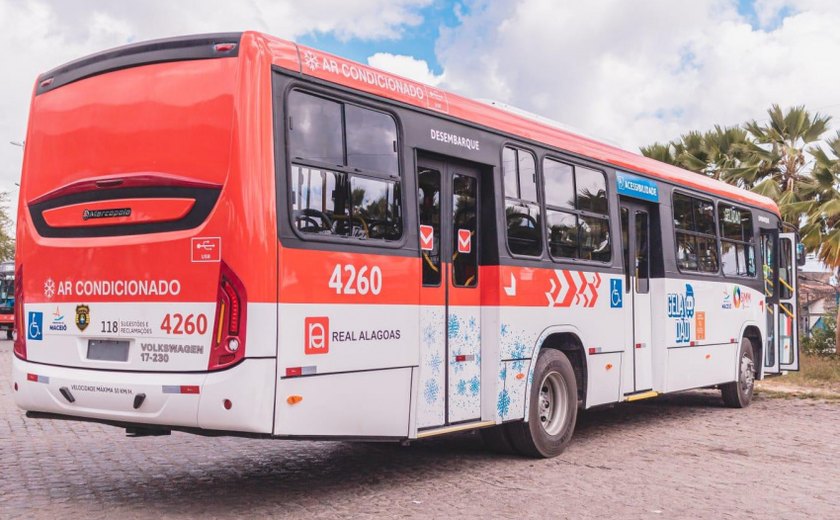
(145, 277)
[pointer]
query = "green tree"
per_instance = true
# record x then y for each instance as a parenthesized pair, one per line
(780, 150)
(821, 203)
(7, 239)
(723, 153)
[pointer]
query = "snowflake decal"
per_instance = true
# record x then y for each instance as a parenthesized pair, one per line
(435, 362)
(310, 60)
(49, 288)
(429, 336)
(475, 385)
(503, 405)
(431, 391)
(503, 373)
(462, 387)
(505, 329)
(473, 323)
(454, 327)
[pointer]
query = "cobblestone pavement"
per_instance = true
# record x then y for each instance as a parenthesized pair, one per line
(681, 456)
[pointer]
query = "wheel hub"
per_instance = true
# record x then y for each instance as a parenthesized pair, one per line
(551, 403)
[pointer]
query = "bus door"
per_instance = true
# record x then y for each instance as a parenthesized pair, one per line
(769, 270)
(787, 332)
(635, 230)
(450, 323)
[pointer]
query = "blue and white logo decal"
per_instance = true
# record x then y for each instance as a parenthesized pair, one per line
(637, 187)
(35, 326)
(616, 293)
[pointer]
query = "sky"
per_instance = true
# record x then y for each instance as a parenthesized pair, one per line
(628, 71)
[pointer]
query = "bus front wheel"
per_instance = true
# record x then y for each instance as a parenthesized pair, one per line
(553, 408)
(738, 394)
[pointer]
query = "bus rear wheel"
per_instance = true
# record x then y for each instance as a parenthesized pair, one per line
(553, 408)
(738, 394)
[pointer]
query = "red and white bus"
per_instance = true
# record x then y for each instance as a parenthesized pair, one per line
(235, 234)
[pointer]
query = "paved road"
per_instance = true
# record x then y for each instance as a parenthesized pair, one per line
(681, 456)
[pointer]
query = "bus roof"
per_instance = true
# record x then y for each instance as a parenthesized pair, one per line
(328, 67)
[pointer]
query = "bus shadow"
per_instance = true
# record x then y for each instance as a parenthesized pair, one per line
(290, 474)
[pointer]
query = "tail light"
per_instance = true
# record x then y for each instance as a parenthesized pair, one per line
(229, 329)
(19, 326)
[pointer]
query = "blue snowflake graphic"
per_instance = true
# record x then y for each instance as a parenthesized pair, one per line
(505, 329)
(429, 336)
(472, 322)
(503, 406)
(475, 385)
(503, 373)
(454, 326)
(435, 362)
(518, 365)
(518, 351)
(431, 391)
(462, 387)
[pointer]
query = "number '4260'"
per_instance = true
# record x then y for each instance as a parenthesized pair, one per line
(345, 279)
(179, 324)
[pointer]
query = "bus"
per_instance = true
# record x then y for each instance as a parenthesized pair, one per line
(233, 234)
(7, 297)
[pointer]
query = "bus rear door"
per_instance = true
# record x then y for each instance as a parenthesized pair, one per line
(450, 347)
(635, 229)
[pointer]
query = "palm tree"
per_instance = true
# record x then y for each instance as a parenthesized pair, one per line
(821, 231)
(779, 151)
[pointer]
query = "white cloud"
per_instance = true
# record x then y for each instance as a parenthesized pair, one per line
(635, 72)
(41, 34)
(405, 66)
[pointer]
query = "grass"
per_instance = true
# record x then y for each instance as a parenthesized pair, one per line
(818, 378)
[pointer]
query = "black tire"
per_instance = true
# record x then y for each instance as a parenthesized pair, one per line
(549, 428)
(496, 439)
(738, 394)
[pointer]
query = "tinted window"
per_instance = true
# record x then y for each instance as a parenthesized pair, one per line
(562, 234)
(371, 140)
(524, 228)
(320, 201)
(683, 213)
(510, 175)
(704, 217)
(464, 265)
(591, 190)
(737, 248)
(594, 239)
(559, 184)
(527, 177)
(697, 244)
(522, 214)
(376, 208)
(428, 200)
(315, 129)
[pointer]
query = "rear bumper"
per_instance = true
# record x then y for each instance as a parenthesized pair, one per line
(185, 400)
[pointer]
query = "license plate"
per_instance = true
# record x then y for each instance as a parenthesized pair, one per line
(107, 350)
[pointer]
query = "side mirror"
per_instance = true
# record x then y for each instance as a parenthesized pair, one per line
(800, 254)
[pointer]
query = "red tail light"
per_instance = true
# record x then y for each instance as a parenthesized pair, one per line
(229, 330)
(19, 326)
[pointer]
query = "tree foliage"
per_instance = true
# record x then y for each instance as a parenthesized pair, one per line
(7, 239)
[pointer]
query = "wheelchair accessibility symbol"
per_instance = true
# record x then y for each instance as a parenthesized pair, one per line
(35, 326)
(616, 293)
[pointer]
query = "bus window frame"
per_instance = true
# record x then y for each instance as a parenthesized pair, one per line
(674, 230)
(608, 216)
(755, 243)
(280, 100)
(540, 202)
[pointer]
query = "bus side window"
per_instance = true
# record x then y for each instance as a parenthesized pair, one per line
(522, 211)
(697, 246)
(464, 265)
(345, 169)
